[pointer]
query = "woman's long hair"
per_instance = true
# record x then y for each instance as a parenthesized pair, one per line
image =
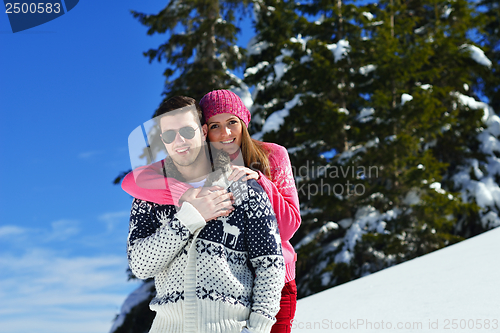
(254, 154)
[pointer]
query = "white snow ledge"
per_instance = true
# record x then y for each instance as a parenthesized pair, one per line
(458, 282)
(478, 55)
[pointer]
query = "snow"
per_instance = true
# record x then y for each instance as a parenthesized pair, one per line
(490, 219)
(473, 104)
(459, 282)
(340, 49)
(419, 30)
(437, 187)
(484, 190)
(367, 69)
(348, 154)
(368, 15)
(276, 119)
(406, 98)
(253, 70)
(487, 192)
(244, 93)
(307, 239)
(489, 143)
(136, 297)
(307, 211)
(305, 58)
(390, 138)
(256, 48)
(300, 40)
(345, 223)
(303, 146)
(242, 90)
(372, 143)
(366, 218)
(280, 68)
(256, 9)
(303, 42)
(365, 115)
(447, 12)
(412, 197)
(320, 20)
(494, 125)
(312, 235)
(478, 55)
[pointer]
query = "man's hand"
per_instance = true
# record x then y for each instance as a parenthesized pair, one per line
(210, 202)
(241, 171)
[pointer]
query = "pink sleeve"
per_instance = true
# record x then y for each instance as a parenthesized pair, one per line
(148, 183)
(282, 192)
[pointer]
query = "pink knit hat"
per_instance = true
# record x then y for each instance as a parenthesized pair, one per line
(224, 101)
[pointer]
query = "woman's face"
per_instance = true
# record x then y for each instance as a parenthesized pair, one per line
(224, 132)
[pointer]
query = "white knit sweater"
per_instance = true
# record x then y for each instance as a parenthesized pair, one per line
(220, 276)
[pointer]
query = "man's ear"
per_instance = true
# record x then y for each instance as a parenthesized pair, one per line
(204, 130)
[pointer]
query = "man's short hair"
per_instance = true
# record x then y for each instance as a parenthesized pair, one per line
(178, 102)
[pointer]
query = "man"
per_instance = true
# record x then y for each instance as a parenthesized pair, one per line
(224, 275)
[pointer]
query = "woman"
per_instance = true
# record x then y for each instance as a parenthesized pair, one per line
(227, 119)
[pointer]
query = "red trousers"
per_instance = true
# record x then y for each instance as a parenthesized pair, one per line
(287, 309)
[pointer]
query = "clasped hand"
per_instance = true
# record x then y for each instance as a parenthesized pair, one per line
(212, 202)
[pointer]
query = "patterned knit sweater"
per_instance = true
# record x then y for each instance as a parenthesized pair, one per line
(219, 276)
(148, 183)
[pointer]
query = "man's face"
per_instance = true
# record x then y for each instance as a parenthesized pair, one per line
(183, 151)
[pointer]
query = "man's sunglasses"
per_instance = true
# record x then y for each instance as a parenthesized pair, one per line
(186, 132)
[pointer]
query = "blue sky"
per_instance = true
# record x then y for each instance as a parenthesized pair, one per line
(71, 91)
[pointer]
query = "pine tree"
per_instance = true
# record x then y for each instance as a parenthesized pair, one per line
(489, 23)
(383, 86)
(308, 80)
(201, 44)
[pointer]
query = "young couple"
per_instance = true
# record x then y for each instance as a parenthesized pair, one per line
(203, 226)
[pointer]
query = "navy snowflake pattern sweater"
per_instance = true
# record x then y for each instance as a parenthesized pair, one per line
(216, 276)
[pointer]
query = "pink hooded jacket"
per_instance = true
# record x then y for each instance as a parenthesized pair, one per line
(281, 192)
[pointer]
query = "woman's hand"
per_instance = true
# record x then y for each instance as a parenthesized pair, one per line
(241, 171)
(210, 202)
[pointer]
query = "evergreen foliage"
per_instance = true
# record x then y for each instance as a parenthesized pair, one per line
(488, 23)
(201, 44)
(382, 85)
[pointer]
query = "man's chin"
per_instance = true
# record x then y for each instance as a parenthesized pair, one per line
(183, 161)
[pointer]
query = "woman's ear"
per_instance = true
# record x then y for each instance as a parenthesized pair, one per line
(204, 130)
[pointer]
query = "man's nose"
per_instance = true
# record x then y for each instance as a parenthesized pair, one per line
(179, 138)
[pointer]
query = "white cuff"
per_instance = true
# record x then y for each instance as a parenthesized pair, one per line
(259, 323)
(190, 217)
